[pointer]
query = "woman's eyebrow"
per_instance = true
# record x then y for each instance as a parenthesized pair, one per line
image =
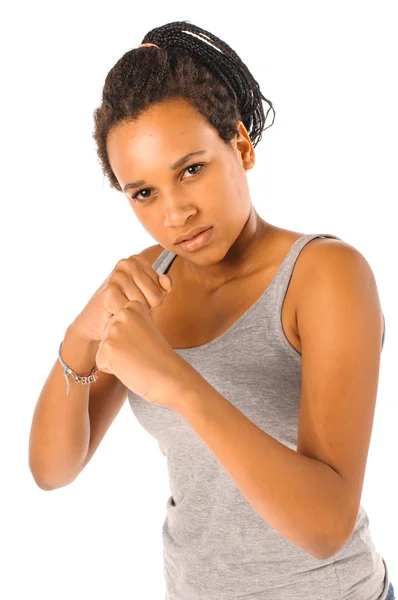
(179, 163)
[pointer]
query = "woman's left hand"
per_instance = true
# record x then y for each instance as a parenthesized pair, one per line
(134, 350)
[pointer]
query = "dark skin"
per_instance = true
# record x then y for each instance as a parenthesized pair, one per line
(173, 202)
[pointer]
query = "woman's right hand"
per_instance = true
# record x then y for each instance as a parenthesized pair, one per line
(133, 278)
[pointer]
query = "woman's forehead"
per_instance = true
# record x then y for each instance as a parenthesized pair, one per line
(159, 133)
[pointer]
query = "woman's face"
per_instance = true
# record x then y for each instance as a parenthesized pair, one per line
(208, 189)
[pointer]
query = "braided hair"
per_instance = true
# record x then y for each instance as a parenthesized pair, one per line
(190, 63)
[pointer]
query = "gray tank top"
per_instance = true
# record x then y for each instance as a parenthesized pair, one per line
(216, 546)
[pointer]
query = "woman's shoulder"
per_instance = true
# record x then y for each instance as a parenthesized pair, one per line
(321, 249)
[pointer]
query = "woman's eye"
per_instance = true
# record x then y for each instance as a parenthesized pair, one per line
(134, 196)
(195, 165)
(139, 192)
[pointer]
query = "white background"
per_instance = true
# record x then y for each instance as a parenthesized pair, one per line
(328, 164)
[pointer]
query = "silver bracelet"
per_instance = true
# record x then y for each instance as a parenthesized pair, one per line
(91, 378)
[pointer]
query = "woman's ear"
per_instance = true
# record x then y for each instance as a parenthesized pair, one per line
(245, 147)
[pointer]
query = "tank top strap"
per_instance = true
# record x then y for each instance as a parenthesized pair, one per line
(163, 262)
(282, 278)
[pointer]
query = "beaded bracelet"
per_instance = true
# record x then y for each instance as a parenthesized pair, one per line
(91, 378)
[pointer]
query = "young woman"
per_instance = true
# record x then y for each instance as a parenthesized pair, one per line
(256, 370)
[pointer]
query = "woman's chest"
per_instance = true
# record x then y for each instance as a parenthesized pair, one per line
(188, 318)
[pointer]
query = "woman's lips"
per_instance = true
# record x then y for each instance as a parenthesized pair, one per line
(200, 240)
